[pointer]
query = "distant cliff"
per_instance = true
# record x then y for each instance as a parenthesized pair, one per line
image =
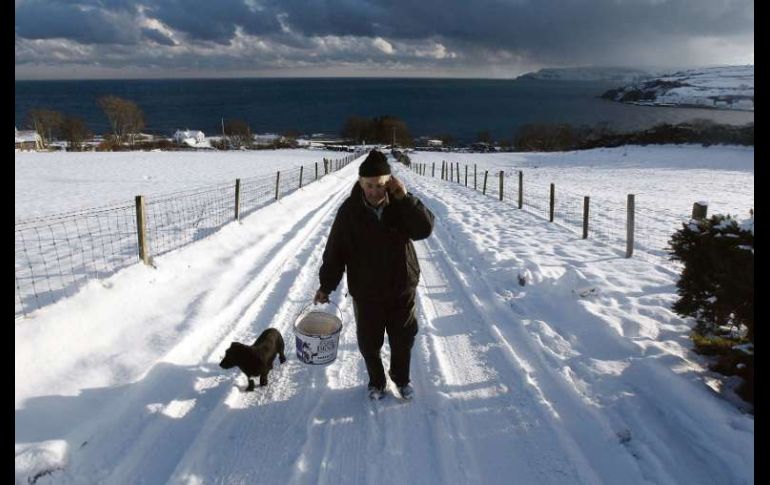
(729, 87)
(610, 74)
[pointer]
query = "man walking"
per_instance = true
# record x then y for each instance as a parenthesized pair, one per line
(371, 238)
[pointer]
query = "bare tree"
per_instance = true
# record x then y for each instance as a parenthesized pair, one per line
(238, 133)
(74, 132)
(357, 129)
(392, 130)
(125, 117)
(46, 123)
(381, 129)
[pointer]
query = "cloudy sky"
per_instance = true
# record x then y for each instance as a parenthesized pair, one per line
(60, 39)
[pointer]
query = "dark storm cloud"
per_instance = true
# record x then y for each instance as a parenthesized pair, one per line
(87, 23)
(214, 21)
(553, 28)
(544, 32)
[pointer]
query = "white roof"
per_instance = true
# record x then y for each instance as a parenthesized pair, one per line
(189, 133)
(26, 135)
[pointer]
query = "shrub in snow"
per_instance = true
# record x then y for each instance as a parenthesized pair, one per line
(717, 289)
(717, 283)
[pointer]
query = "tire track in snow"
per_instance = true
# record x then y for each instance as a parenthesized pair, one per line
(258, 440)
(162, 415)
(601, 418)
(540, 394)
(505, 431)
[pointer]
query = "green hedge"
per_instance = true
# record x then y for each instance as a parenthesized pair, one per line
(716, 288)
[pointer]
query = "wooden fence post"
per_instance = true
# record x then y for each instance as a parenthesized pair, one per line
(451, 172)
(521, 189)
(501, 185)
(699, 210)
(474, 177)
(457, 171)
(586, 201)
(237, 199)
(316, 170)
(630, 226)
(486, 172)
(553, 197)
(301, 169)
(466, 174)
(277, 183)
(141, 230)
(433, 170)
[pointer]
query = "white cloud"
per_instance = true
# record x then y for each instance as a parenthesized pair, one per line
(383, 45)
(435, 50)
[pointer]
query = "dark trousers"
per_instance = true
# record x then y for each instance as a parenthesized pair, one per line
(373, 319)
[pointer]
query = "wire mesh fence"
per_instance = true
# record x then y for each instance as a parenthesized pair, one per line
(176, 220)
(56, 255)
(607, 219)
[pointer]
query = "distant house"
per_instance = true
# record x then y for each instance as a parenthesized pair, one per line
(189, 137)
(435, 143)
(28, 140)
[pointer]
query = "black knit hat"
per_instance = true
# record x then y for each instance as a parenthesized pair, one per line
(375, 165)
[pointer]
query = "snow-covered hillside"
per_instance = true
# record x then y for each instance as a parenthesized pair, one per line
(730, 87)
(612, 74)
(581, 376)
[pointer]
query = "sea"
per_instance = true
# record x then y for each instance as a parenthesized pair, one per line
(460, 108)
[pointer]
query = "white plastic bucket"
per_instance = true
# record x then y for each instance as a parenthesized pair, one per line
(317, 334)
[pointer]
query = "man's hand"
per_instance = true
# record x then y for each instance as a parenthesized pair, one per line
(321, 297)
(396, 187)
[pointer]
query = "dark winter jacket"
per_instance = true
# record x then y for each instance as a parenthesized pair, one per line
(378, 254)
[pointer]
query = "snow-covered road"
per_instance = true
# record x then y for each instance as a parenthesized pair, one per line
(525, 384)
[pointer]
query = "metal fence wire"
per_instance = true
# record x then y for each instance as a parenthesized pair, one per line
(607, 219)
(176, 220)
(57, 255)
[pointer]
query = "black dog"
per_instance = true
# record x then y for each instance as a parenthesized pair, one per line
(255, 360)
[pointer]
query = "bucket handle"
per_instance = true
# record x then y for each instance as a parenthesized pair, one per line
(312, 303)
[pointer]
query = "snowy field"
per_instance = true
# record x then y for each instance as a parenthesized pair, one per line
(583, 375)
(669, 177)
(89, 230)
(665, 180)
(88, 179)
